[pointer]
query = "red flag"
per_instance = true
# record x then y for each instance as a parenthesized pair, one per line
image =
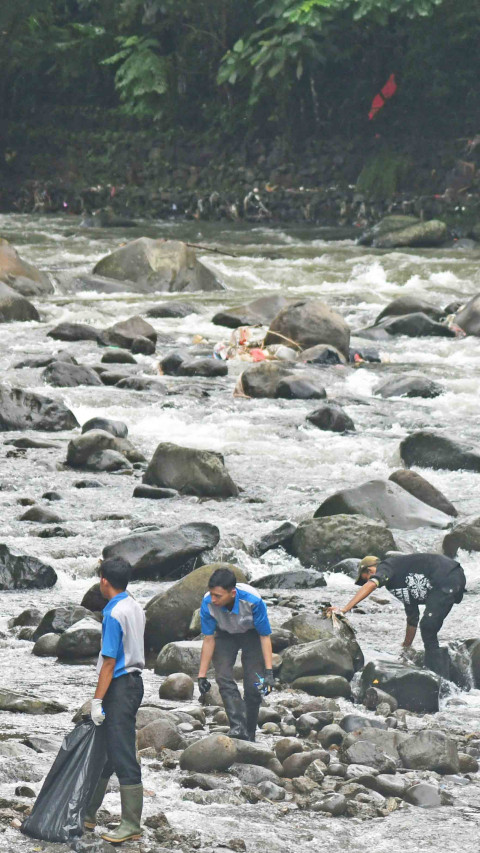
(385, 93)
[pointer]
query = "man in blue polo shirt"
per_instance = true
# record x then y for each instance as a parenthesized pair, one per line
(234, 617)
(118, 696)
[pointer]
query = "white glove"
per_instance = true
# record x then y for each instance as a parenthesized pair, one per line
(96, 712)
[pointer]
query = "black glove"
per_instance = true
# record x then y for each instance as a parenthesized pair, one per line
(203, 685)
(269, 682)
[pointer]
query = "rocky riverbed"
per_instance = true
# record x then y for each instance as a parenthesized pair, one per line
(297, 431)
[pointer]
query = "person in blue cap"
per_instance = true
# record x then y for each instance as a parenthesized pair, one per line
(234, 617)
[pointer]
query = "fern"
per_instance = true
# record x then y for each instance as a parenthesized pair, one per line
(142, 76)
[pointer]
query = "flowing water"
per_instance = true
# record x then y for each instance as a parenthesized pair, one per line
(284, 467)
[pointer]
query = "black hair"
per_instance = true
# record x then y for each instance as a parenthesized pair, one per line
(116, 571)
(224, 578)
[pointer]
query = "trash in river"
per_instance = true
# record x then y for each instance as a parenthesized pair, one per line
(246, 344)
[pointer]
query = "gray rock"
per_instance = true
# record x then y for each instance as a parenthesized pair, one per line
(143, 346)
(17, 703)
(313, 721)
(411, 325)
(299, 579)
(331, 417)
(182, 656)
(375, 697)
(169, 613)
(271, 791)
(430, 750)
(419, 234)
(22, 410)
(160, 734)
(429, 449)
(116, 355)
(254, 753)
(331, 686)
(41, 514)
(321, 657)
(215, 752)
(30, 616)
(307, 323)
(252, 774)
(59, 619)
(414, 689)
(322, 355)
(190, 471)
(124, 333)
(75, 332)
(320, 542)
(333, 804)
(64, 375)
(348, 567)
(389, 785)
(331, 735)
(386, 740)
(82, 640)
(19, 571)
(424, 795)
(116, 428)
(107, 460)
(164, 553)
(287, 746)
(465, 534)
(12, 266)
(15, 308)
(409, 386)
(174, 365)
(46, 646)
(153, 494)
(85, 451)
(177, 686)
(384, 500)
(420, 488)
(387, 225)
(409, 304)
(259, 312)
(172, 309)
(309, 626)
(261, 380)
(296, 764)
(277, 538)
(301, 386)
(370, 755)
(468, 318)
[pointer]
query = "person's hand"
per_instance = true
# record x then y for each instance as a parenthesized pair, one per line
(96, 712)
(203, 685)
(330, 610)
(269, 682)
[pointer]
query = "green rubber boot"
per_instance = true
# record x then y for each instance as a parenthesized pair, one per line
(132, 804)
(90, 821)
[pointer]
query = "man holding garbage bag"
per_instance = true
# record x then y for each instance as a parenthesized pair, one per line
(117, 698)
(233, 617)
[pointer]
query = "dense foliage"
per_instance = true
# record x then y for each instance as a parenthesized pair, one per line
(235, 72)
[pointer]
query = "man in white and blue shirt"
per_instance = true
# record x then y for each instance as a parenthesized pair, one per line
(118, 696)
(233, 617)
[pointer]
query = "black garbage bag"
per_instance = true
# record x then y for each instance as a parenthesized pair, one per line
(60, 807)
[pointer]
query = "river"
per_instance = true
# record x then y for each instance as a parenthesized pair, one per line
(284, 467)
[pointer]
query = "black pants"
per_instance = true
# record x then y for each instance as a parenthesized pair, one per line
(121, 703)
(227, 647)
(438, 605)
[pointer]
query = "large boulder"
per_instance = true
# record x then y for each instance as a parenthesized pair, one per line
(169, 613)
(331, 417)
(215, 752)
(465, 535)
(160, 734)
(14, 307)
(16, 703)
(87, 451)
(414, 689)
(259, 312)
(330, 686)
(12, 267)
(307, 323)
(124, 333)
(75, 332)
(468, 318)
(430, 750)
(409, 386)
(158, 265)
(384, 500)
(19, 571)
(429, 449)
(301, 386)
(308, 627)
(420, 488)
(165, 553)
(182, 656)
(417, 325)
(418, 235)
(82, 640)
(409, 304)
(292, 579)
(65, 375)
(387, 225)
(261, 380)
(177, 686)
(190, 471)
(321, 657)
(117, 428)
(60, 619)
(22, 410)
(321, 542)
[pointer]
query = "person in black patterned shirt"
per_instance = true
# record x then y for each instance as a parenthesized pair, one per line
(430, 579)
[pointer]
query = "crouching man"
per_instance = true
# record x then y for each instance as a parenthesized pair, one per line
(234, 617)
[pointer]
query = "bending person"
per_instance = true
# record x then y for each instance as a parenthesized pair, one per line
(234, 617)
(430, 579)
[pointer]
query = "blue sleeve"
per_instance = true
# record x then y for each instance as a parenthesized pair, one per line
(112, 637)
(260, 618)
(209, 624)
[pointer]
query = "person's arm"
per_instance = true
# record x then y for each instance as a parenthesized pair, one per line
(208, 647)
(409, 636)
(413, 615)
(363, 592)
(105, 677)
(266, 645)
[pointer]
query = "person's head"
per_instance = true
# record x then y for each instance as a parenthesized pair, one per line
(115, 574)
(366, 569)
(221, 587)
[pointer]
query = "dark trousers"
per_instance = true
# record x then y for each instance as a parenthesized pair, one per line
(438, 605)
(121, 703)
(227, 647)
